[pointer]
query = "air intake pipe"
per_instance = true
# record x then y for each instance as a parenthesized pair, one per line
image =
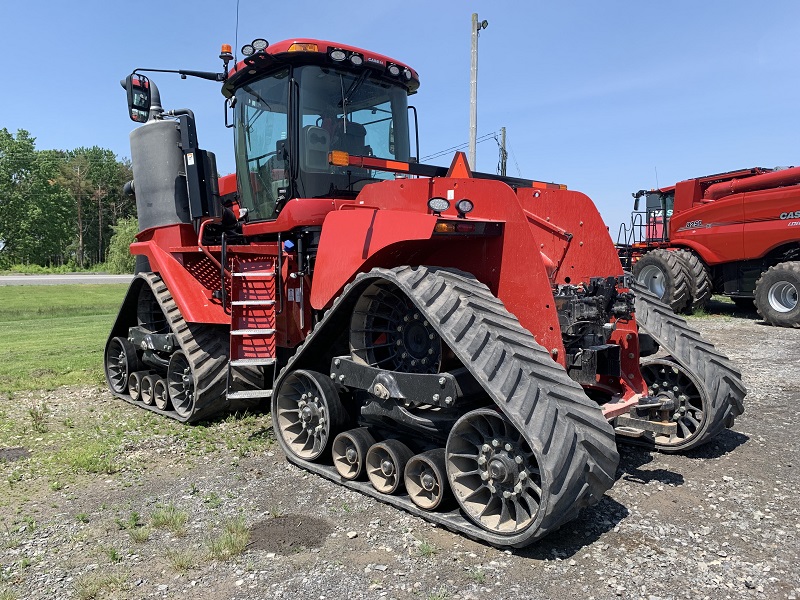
(788, 176)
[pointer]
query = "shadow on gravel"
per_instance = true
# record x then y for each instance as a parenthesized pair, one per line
(630, 468)
(725, 442)
(289, 534)
(576, 535)
(715, 307)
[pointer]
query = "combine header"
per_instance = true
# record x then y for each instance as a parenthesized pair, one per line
(463, 346)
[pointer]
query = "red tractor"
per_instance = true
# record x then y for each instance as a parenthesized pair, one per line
(735, 233)
(460, 345)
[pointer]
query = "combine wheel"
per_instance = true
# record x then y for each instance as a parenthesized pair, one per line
(386, 462)
(666, 274)
(684, 404)
(121, 361)
(777, 293)
(161, 393)
(699, 280)
(349, 451)
(135, 384)
(308, 412)
(426, 479)
(493, 472)
(147, 389)
(180, 384)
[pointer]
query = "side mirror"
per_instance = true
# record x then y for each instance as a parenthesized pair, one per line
(139, 97)
(636, 204)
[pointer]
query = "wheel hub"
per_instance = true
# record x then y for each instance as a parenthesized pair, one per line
(351, 454)
(783, 297)
(387, 467)
(501, 469)
(428, 481)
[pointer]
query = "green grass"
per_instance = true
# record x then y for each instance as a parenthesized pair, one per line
(170, 517)
(53, 335)
(231, 542)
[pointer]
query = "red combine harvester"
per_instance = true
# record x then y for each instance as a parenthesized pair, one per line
(462, 346)
(735, 233)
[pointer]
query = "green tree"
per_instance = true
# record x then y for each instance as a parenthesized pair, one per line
(120, 260)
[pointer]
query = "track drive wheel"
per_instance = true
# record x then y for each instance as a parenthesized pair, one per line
(120, 361)
(776, 295)
(666, 274)
(386, 463)
(684, 400)
(700, 285)
(493, 472)
(426, 479)
(350, 450)
(308, 413)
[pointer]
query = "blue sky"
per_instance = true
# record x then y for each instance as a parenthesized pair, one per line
(600, 96)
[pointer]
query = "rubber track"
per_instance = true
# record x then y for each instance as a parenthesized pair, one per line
(574, 444)
(724, 389)
(699, 280)
(206, 348)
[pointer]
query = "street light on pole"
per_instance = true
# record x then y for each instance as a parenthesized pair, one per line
(473, 94)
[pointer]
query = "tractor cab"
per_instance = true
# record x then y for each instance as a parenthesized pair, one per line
(302, 109)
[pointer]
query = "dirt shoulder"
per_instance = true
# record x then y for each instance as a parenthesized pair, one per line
(721, 522)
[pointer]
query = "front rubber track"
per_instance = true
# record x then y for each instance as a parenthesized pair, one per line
(722, 381)
(206, 348)
(574, 443)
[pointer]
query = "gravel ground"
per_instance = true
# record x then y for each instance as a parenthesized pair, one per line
(721, 522)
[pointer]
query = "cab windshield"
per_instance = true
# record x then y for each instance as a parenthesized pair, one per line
(333, 109)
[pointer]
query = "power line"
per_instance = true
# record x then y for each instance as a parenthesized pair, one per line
(483, 138)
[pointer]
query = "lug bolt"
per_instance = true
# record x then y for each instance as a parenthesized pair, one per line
(448, 401)
(398, 343)
(431, 336)
(492, 488)
(425, 323)
(442, 381)
(337, 362)
(416, 316)
(518, 460)
(506, 494)
(406, 319)
(507, 447)
(484, 476)
(341, 377)
(333, 375)
(496, 443)
(436, 397)
(486, 448)
(399, 328)
(523, 475)
(481, 460)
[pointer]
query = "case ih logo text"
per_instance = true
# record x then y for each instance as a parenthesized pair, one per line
(791, 215)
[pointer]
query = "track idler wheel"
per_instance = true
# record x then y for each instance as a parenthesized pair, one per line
(350, 450)
(161, 394)
(180, 384)
(426, 479)
(308, 413)
(147, 389)
(681, 400)
(120, 361)
(493, 472)
(386, 462)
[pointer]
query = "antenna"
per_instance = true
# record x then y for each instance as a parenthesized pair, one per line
(236, 43)
(656, 170)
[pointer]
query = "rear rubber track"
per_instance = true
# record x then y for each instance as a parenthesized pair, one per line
(722, 381)
(206, 349)
(574, 444)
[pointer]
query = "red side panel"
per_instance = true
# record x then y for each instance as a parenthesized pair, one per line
(173, 254)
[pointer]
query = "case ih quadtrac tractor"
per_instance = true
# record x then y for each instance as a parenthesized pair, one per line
(459, 345)
(735, 233)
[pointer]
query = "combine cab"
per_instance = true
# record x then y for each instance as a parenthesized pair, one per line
(463, 346)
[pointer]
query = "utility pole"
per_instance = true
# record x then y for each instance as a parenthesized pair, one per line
(503, 153)
(473, 93)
